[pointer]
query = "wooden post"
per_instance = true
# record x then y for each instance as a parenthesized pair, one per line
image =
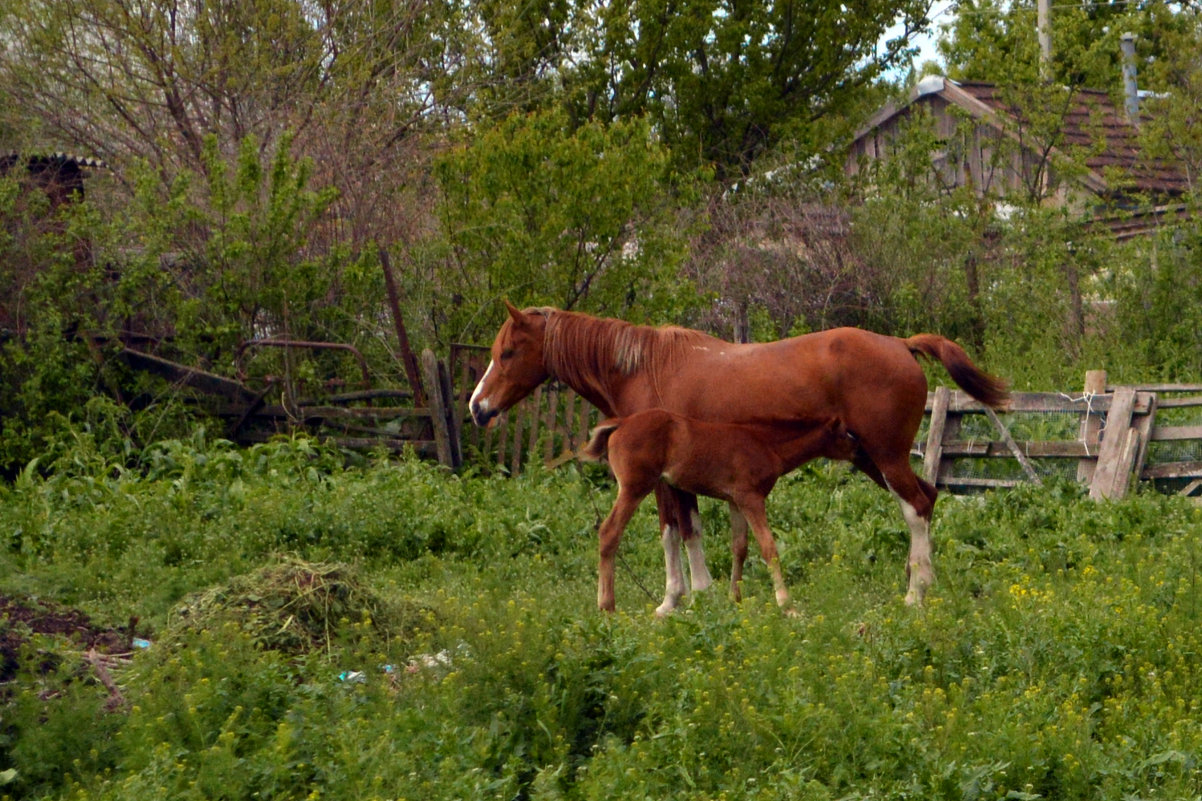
(535, 419)
(454, 419)
(519, 414)
(1120, 445)
(407, 359)
(1091, 426)
(438, 411)
(552, 397)
(934, 452)
(583, 428)
(569, 412)
(1144, 423)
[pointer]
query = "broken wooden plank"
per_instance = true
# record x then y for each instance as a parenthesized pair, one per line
(1028, 468)
(193, 377)
(1143, 423)
(1116, 454)
(1172, 470)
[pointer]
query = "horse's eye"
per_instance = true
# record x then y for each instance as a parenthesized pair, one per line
(507, 354)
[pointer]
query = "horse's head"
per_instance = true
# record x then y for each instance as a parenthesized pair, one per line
(516, 367)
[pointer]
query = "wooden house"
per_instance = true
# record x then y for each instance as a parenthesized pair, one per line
(1061, 146)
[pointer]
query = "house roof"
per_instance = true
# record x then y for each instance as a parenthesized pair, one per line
(1092, 126)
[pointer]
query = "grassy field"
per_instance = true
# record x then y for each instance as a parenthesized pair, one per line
(390, 631)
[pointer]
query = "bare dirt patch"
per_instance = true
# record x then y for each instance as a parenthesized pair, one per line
(22, 619)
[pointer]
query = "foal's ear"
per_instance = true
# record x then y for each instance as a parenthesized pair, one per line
(514, 312)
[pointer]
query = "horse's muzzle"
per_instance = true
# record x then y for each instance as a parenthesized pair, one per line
(482, 417)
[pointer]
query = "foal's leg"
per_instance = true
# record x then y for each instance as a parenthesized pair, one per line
(738, 551)
(609, 535)
(753, 510)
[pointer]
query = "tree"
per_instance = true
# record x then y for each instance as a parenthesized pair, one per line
(538, 211)
(996, 41)
(353, 85)
(722, 81)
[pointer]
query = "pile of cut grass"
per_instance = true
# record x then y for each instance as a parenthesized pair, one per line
(298, 607)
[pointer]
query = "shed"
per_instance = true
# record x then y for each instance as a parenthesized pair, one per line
(1078, 148)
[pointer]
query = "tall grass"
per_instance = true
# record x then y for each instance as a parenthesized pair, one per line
(1057, 657)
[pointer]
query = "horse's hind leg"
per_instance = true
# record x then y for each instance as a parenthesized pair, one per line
(753, 510)
(690, 531)
(917, 499)
(738, 551)
(678, 520)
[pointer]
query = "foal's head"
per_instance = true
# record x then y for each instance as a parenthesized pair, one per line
(516, 367)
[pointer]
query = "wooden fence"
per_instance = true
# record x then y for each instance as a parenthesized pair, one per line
(1106, 437)
(551, 424)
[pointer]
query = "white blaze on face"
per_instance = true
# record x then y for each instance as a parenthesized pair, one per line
(476, 403)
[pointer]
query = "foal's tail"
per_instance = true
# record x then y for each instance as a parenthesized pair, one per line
(987, 389)
(598, 444)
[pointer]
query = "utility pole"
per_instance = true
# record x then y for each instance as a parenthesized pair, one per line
(1044, 29)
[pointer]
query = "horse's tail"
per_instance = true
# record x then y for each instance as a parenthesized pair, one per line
(598, 444)
(987, 389)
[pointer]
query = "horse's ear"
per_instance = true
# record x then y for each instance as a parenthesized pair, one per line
(514, 312)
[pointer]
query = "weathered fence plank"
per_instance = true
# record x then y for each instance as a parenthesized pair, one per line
(933, 459)
(1091, 425)
(438, 411)
(1115, 453)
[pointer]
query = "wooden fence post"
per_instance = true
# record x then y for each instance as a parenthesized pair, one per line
(1091, 425)
(451, 412)
(438, 409)
(933, 457)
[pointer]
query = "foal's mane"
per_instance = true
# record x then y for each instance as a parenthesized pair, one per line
(582, 350)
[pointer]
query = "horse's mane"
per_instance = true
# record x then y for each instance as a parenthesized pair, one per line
(581, 350)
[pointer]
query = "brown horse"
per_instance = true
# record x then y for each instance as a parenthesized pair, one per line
(871, 383)
(737, 462)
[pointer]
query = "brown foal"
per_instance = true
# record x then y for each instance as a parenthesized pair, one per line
(736, 462)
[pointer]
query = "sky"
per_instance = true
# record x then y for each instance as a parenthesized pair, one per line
(942, 13)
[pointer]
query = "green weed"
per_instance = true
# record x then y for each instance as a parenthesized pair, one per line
(1057, 656)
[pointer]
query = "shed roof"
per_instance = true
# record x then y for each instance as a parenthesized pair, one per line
(1092, 125)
